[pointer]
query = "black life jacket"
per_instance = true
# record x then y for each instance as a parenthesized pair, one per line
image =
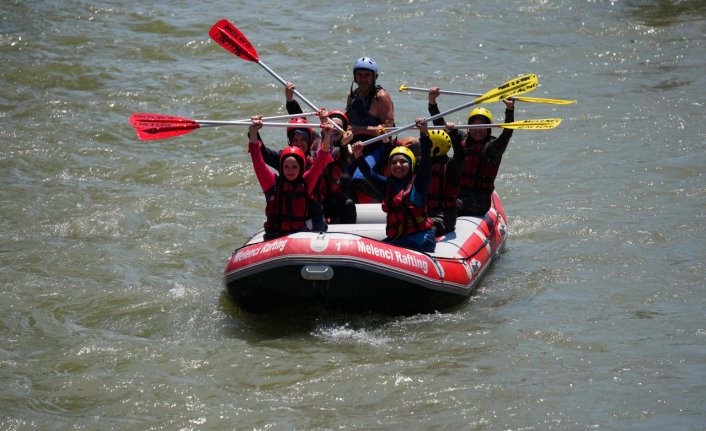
(358, 110)
(478, 172)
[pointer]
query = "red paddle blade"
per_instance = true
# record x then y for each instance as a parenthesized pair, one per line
(229, 37)
(164, 130)
(140, 119)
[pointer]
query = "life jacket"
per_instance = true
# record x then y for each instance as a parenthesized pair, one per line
(358, 111)
(478, 173)
(441, 195)
(330, 180)
(287, 208)
(403, 217)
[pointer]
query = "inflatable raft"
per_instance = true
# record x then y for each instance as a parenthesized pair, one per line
(350, 268)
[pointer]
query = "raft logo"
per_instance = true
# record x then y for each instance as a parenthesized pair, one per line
(319, 244)
(250, 252)
(276, 245)
(246, 254)
(394, 256)
(413, 261)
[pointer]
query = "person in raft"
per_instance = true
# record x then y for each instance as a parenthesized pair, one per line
(288, 194)
(303, 138)
(483, 153)
(446, 173)
(404, 193)
(335, 183)
(370, 110)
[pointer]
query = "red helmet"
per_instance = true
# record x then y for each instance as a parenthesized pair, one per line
(298, 155)
(303, 130)
(342, 115)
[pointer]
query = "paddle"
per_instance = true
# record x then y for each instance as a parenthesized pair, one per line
(513, 87)
(234, 41)
(162, 118)
(405, 87)
(538, 124)
(151, 127)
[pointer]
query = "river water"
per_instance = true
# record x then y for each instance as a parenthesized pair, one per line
(112, 249)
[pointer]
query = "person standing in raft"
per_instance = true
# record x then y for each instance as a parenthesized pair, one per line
(288, 194)
(483, 153)
(405, 193)
(370, 110)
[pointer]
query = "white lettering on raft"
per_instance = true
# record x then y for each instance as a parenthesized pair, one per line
(277, 245)
(403, 258)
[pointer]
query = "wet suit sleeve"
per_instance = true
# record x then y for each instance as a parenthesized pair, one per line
(454, 168)
(423, 177)
(293, 107)
(376, 180)
(371, 160)
(496, 147)
(271, 157)
(433, 110)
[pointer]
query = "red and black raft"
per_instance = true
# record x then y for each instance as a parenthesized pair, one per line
(350, 268)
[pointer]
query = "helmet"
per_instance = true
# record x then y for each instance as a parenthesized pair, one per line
(291, 130)
(440, 142)
(342, 115)
(486, 116)
(405, 152)
(298, 155)
(365, 63)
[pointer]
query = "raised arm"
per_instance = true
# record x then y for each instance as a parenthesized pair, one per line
(377, 181)
(497, 147)
(433, 107)
(292, 105)
(323, 155)
(454, 168)
(264, 175)
(423, 174)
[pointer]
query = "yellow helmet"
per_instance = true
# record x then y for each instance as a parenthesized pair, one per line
(405, 152)
(482, 112)
(440, 142)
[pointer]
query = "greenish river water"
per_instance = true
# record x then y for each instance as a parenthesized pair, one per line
(112, 249)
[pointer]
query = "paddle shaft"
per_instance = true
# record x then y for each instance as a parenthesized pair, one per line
(410, 126)
(209, 123)
(283, 82)
(538, 124)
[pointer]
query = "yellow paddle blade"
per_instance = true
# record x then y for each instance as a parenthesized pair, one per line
(513, 87)
(403, 87)
(543, 100)
(538, 124)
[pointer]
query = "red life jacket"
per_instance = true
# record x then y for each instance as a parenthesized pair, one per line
(478, 172)
(287, 207)
(330, 180)
(441, 194)
(403, 217)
